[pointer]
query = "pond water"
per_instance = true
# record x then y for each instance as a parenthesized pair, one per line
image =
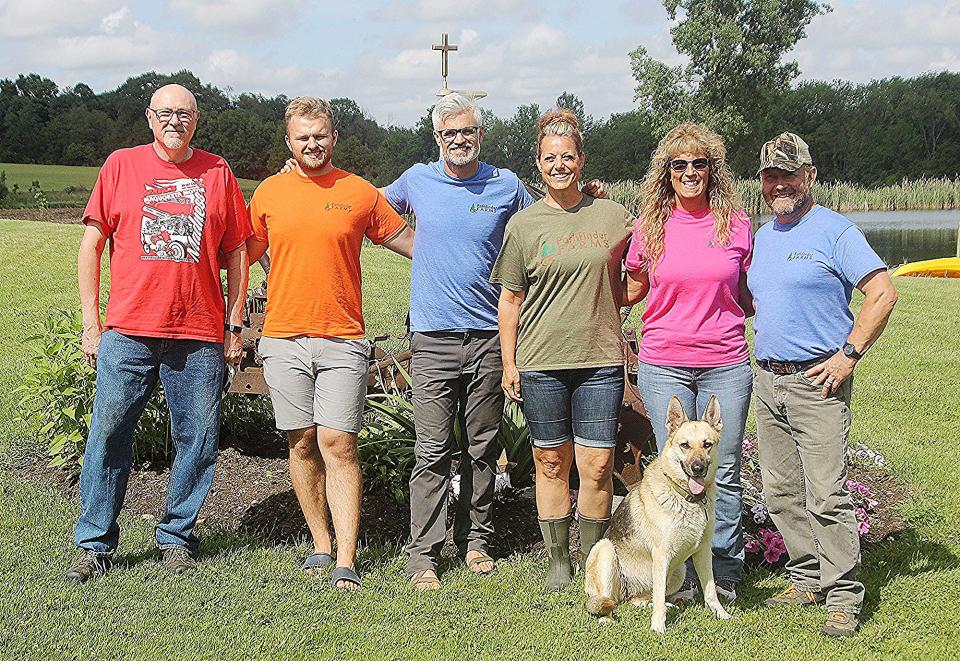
(906, 236)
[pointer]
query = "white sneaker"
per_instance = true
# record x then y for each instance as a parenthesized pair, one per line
(727, 590)
(686, 594)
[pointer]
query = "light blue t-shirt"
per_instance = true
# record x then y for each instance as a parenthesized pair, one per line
(459, 234)
(801, 278)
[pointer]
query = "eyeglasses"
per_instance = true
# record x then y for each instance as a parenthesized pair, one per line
(449, 135)
(680, 165)
(165, 115)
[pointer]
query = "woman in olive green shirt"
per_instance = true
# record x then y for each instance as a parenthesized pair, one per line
(559, 317)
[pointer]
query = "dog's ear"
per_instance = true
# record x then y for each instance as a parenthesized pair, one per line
(712, 415)
(676, 416)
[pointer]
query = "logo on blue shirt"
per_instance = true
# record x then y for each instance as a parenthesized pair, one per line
(799, 255)
(483, 208)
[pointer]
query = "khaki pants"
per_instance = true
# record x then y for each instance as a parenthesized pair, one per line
(802, 442)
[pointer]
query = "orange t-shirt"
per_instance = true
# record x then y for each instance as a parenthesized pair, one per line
(314, 227)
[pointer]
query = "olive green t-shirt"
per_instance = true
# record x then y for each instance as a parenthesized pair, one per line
(568, 264)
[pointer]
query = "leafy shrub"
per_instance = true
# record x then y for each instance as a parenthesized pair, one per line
(57, 398)
(3, 184)
(388, 439)
(57, 401)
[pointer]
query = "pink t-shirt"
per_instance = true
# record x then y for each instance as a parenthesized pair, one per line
(692, 317)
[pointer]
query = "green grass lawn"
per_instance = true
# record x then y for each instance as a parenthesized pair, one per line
(248, 599)
(54, 179)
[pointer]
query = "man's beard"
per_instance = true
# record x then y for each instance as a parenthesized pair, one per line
(173, 140)
(466, 159)
(784, 206)
(314, 162)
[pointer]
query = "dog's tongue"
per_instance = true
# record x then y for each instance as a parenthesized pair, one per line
(696, 485)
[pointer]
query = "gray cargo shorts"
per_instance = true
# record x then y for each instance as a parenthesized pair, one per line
(316, 380)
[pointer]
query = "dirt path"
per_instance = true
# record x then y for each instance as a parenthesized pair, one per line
(62, 216)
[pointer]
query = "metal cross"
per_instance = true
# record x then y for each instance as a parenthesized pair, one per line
(446, 47)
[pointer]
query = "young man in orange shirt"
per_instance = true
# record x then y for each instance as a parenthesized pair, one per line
(313, 219)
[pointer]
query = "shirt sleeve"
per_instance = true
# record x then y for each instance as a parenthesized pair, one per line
(853, 258)
(524, 199)
(510, 268)
(99, 209)
(258, 218)
(385, 223)
(636, 260)
(398, 195)
(238, 228)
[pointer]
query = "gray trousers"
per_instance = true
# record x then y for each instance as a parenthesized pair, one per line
(454, 374)
(802, 442)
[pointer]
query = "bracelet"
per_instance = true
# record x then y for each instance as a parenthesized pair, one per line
(232, 328)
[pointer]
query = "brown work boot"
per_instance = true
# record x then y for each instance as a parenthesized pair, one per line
(90, 566)
(178, 560)
(793, 596)
(840, 625)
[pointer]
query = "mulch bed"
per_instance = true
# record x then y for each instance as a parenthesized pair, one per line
(63, 216)
(252, 494)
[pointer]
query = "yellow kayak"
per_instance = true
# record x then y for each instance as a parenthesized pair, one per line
(946, 267)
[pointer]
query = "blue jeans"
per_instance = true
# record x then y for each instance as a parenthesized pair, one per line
(693, 386)
(127, 371)
(578, 404)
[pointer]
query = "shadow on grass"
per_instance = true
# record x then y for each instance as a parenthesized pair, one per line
(905, 554)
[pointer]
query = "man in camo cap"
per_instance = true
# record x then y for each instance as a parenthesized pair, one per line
(807, 344)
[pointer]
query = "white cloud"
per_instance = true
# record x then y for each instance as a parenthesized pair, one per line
(254, 17)
(465, 10)
(25, 19)
(861, 41)
(244, 73)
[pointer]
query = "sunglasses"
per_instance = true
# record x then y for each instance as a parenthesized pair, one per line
(449, 135)
(680, 165)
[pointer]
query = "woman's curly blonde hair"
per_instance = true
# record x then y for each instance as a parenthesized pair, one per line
(658, 195)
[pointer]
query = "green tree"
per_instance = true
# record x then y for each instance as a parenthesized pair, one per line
(735, 50)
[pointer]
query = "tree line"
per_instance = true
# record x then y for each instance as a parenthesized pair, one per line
(869, 134)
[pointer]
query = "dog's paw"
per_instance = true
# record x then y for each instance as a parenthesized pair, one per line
(640, 602)
(605, 620)
(658, 624)
(721, 613)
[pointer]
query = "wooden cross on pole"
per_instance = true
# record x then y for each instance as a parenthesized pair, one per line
(445, 47)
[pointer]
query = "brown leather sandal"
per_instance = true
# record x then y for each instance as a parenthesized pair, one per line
(425, 580)
(473, 563)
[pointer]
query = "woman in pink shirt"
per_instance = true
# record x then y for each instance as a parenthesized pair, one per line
(689, 256)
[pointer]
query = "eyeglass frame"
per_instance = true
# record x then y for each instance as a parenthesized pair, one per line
(460, 131)
(156, 113)
(704, 161)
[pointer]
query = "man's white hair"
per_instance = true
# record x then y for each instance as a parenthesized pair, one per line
(454, 104)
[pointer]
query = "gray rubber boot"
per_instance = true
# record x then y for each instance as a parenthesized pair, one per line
(591, 532)
(556, 539)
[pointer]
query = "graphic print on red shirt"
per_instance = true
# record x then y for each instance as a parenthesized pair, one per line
(174, 213)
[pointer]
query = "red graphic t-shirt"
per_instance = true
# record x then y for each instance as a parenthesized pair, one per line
(167, 223)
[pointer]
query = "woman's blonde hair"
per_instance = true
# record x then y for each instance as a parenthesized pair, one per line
(659, 198)
(560, 122)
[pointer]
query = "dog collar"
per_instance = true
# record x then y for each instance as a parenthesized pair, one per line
(688, 495)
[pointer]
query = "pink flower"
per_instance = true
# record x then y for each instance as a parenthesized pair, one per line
(863, 527)
(861, 514)
(752, 546)
(772, 555)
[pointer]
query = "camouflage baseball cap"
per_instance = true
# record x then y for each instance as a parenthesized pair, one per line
(787, 151)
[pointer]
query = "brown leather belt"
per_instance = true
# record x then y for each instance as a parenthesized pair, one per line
(783, 367)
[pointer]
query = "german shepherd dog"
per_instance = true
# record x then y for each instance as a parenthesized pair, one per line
(660, 524)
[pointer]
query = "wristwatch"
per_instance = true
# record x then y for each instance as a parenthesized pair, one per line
(850, 351)
(232, 328)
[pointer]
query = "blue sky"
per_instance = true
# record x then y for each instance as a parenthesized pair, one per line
(378, 51)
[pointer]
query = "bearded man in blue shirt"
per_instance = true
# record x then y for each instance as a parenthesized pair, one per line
(807, 342)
